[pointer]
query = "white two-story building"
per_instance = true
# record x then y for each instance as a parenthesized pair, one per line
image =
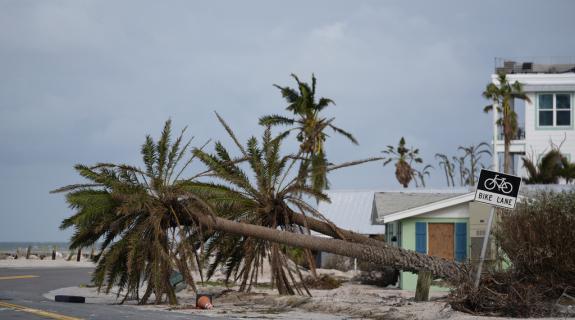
(545, 121)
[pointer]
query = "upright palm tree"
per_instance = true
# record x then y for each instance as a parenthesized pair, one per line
(463, 171)
(404, 158)
(448, 168)
(420, 174)
(135, 212)
(474, 153)
(310, 126)
(502, 96)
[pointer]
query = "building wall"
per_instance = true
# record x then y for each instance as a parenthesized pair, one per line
(478, 217)
(408, 280)
(537, 140)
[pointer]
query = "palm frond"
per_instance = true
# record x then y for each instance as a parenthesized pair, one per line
(230, 133)
(344, 133)
(274, 120)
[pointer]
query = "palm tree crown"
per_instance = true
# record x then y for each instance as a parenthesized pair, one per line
(137, 214)
(310, 127)
(268, 196)
(404, 158)
(502, 96)
(473, 153)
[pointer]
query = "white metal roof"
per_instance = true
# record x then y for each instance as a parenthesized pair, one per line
(365, 211)
(387, 203)
(455, 199)
(351, 210)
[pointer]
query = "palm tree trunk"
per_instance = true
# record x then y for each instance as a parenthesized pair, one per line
(334, 231)
(472, 169)
(388, 256)
(507, 157)
(447, 177)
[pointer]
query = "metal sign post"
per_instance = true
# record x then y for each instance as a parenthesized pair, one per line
(498, 190)
(484, 247)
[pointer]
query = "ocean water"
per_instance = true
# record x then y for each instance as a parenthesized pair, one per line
(36, 246)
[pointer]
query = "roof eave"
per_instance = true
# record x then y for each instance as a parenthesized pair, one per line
(428, 208)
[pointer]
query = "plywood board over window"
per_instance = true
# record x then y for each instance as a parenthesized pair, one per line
(441, 240)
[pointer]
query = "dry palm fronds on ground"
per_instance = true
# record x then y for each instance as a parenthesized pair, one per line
(505, 294)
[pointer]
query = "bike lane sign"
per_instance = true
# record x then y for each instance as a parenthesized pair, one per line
(497, 189)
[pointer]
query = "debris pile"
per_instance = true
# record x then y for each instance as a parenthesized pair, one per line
(536, 241)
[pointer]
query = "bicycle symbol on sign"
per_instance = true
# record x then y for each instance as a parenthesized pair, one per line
(500, 183)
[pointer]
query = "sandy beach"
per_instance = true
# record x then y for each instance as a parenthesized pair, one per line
(45, 263)
(351, 300)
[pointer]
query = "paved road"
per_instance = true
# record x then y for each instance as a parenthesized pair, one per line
(27, 292)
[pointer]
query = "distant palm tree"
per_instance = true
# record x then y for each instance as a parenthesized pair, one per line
(448, 168)
(463, 171)
(549, 169)
(310, 127)
(474, 153)
(502, 96)
(420, 174)
(404, 158)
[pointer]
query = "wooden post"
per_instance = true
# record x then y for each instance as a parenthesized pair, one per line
(423, 284)
(28, 252)
(79, 255)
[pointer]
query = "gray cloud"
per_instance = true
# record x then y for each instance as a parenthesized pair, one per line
(85, 81)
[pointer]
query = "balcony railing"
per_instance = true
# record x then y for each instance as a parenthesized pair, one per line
(535, 65)
(519, 134)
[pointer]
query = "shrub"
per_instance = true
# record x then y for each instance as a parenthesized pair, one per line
(537, 239)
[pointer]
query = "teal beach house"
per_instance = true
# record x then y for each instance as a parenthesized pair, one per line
(445, 223)
(448, 225)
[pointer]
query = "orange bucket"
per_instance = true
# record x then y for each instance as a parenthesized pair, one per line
(204, 301)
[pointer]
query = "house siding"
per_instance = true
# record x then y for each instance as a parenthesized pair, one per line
(408, 280)
(537, 140)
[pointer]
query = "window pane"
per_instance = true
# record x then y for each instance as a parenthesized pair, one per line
(563, 118)
(563, 101)
(545, 118)
(545, 101)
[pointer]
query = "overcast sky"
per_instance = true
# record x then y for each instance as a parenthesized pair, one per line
(85, 81)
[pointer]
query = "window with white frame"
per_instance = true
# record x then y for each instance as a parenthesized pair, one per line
(554, 109)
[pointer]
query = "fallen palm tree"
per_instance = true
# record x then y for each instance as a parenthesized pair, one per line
(150, 221)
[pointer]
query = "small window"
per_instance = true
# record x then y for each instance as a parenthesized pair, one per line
(563, 101)
(554, 110)
(563, 118)
(546, 118)
(545, 101)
